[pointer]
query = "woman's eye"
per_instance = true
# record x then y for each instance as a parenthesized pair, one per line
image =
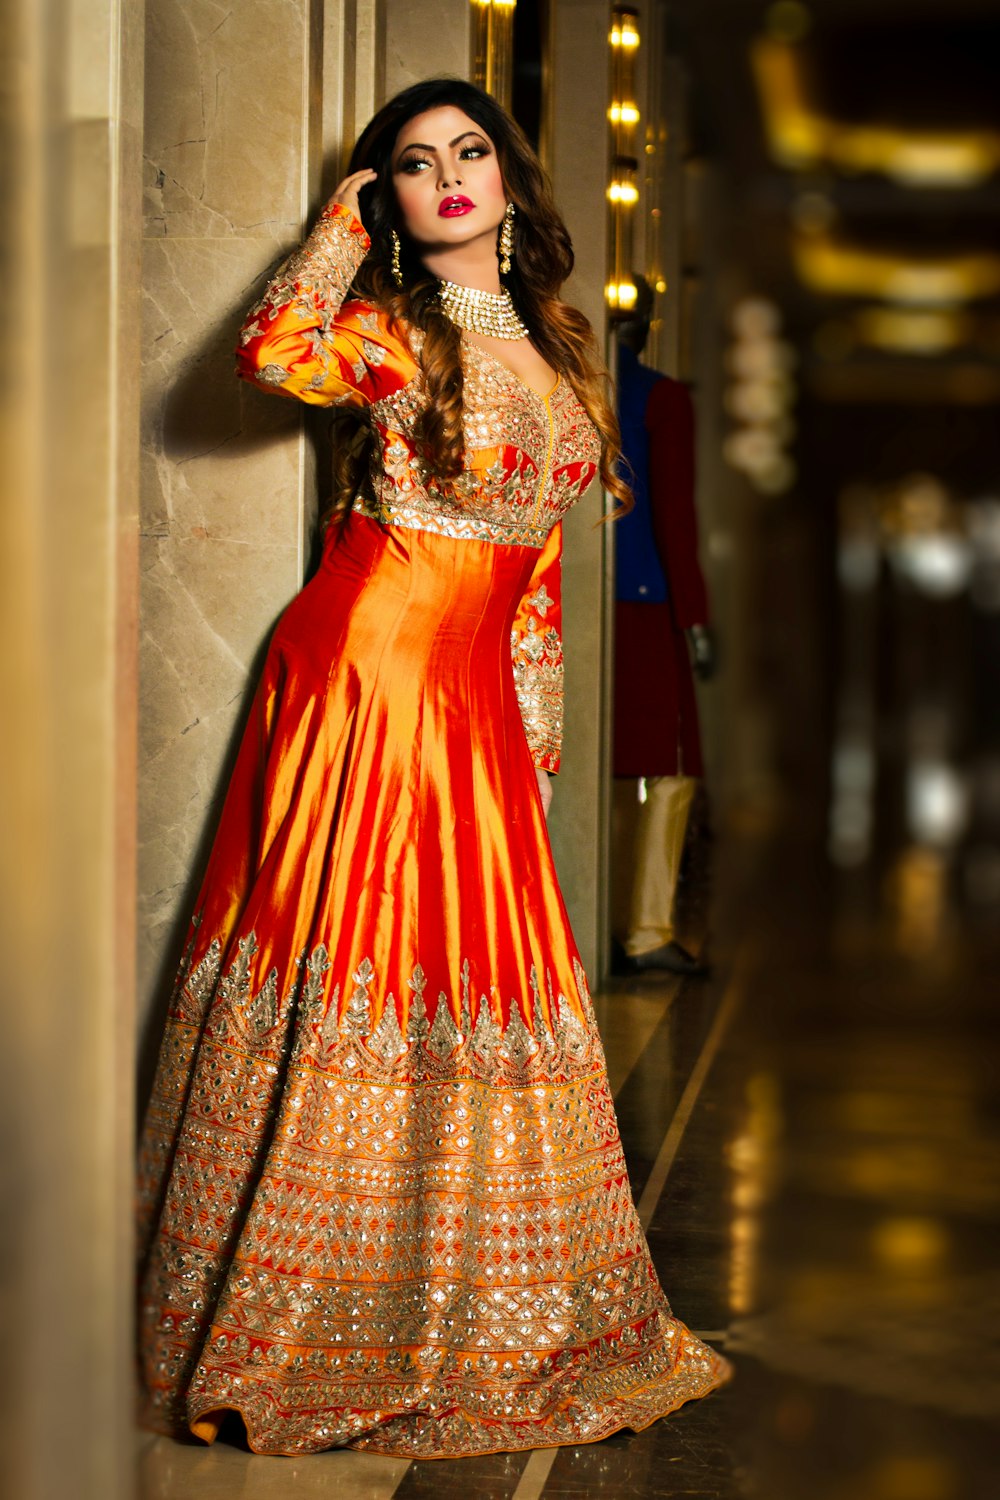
(416, 164)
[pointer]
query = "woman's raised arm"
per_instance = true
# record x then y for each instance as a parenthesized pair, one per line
(295, 340)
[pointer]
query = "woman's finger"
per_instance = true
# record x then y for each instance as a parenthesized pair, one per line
(346, 194)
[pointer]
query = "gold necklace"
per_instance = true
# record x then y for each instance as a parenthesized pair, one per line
(489, 313)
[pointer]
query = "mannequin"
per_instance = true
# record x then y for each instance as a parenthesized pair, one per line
(662, 638)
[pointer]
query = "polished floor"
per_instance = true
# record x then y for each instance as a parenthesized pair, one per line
(811, 1134)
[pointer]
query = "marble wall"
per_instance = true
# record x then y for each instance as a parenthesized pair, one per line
(224, 470)
(424, 39)
(250, 112)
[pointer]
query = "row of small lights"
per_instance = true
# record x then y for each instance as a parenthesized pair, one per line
(622, 192)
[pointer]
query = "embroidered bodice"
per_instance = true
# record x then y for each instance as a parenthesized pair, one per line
(522, 466)
(528, 457)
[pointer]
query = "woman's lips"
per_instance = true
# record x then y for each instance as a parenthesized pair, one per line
(453, 208)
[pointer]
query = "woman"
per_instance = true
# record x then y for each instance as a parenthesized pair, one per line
(384, 1199)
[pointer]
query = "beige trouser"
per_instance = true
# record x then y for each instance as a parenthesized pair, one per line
(647, 844)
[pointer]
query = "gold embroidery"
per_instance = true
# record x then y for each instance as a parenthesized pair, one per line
(538, 678)
(500, 531)
(272, 375)
(312, 282)
(323, 267)
(416, 1238)
(541, 601)
(521, 474)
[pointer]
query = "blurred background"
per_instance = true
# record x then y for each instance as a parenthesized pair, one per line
(813, 192)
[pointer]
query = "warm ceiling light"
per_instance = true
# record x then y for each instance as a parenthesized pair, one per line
(755, 318)
(918, 158)
(911, 332)
(802, 136)
(844, 270)
(760, 358)
(623, 114)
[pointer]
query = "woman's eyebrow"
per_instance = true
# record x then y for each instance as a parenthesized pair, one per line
(421, 146)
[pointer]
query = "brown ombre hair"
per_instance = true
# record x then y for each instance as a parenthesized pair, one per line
(543, 259)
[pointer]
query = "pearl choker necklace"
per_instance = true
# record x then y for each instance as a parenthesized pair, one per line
(489, 313)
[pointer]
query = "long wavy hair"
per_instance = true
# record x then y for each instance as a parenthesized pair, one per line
(542, 260)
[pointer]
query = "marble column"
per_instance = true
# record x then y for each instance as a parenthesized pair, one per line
(70, 117)
(579, 818)
(226, 478)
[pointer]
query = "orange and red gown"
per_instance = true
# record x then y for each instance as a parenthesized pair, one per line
(383, 1197)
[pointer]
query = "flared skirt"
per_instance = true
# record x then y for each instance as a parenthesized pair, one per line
(383, 1200)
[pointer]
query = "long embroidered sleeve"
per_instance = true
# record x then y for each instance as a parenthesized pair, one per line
(536, 648)
(297, 341)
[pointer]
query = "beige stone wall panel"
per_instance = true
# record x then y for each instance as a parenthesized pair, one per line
(225, 116)
(232, 140)
(426, 40)
(222, 550)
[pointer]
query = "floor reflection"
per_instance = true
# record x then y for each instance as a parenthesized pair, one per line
(869, 1359)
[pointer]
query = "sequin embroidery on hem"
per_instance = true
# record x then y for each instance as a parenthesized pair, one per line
(406, 1230)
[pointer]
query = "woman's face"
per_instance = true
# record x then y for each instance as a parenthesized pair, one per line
(447, 178)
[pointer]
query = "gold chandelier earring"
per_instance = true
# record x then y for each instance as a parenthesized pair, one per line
(505, 249)
(397, 270)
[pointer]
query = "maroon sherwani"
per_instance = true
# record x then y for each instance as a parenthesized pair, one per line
(656, 716)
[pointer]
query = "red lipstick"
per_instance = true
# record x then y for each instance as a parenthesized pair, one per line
(454, 207)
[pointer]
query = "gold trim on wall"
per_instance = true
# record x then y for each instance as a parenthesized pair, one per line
(493, 48)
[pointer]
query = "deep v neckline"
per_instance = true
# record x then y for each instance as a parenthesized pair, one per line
(496, 360)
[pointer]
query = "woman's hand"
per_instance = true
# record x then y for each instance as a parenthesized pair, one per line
(346, 194)
(703, 653)
(544, 790)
